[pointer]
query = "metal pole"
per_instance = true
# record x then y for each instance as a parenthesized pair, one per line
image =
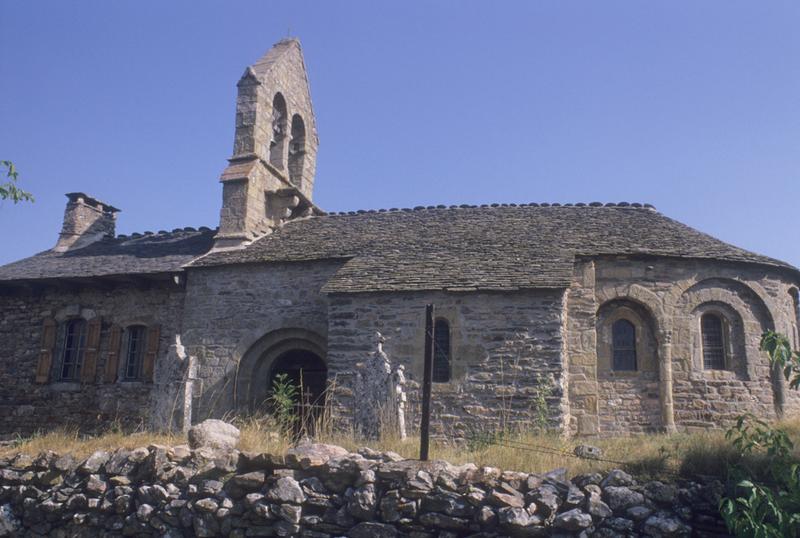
(427, 377)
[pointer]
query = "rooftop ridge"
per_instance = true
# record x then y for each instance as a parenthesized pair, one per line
(149, 233)
(617, 205)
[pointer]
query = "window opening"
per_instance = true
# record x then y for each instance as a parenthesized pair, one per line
(623, 343)
(713, 342)
(297, 150)
(278, 131)
(441, 351)
(134, 352)
(74, 347)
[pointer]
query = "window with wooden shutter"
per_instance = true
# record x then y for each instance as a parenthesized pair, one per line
(89, 369)
(72, 350)
(135, 348)
(148, 367)
(46, 352)
(112, 360)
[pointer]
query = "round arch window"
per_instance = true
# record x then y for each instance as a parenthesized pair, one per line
(623, 344)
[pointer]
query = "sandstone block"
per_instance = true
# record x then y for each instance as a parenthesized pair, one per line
(286, 490)
(621, 497)
(215, 434)
(306, 456)
(368, 529)
(662, 526)
(618, 477)
(573, 520)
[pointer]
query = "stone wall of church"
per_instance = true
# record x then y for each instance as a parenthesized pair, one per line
(505, 347)
(506, 353)
(231, 310)
(665, 300)
(27, 407)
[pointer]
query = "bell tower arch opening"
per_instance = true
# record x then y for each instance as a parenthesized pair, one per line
(278, 136)
(297, 151)
(270, 176)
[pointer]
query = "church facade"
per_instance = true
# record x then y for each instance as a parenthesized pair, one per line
(587, 318)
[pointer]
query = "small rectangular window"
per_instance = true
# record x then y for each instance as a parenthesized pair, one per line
(134, 353)
(441, 351)
(73, 348)
(712, 329)
(623, 344)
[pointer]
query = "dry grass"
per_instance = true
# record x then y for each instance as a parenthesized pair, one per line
(654, 456)
(71, 441)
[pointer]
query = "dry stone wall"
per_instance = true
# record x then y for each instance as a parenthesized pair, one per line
(322, 491)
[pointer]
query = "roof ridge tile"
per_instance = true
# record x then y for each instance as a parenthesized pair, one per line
(495, 205)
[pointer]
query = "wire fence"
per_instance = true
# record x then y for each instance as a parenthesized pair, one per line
(542, 449)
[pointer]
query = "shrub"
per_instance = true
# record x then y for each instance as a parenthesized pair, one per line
(283, 400)
(765, 501)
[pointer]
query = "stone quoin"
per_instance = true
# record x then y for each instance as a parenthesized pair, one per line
(592, 319)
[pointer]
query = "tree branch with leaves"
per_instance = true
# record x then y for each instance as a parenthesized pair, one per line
(769, 507)
(781, 355)
(9, 190)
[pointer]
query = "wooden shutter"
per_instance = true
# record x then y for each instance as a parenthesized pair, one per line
(149, 365)
(112, 361)
(46, 351)
(89, 367)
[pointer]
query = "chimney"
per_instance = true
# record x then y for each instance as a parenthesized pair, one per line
(86, 220)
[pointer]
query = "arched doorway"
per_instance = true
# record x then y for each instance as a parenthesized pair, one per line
(299, 354)
(305, 370)
(304, 373)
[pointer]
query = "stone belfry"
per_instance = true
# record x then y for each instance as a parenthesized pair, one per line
(270, 177)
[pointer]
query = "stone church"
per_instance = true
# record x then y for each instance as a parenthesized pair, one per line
(594, 318)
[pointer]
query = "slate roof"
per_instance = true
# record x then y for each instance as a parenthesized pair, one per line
(466, 247)
(458, 247)
(137, 254)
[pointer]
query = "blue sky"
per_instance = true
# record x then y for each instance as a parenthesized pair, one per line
(691, 106)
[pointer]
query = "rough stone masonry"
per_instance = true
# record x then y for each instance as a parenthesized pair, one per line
(588, 318)
(322, 491)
